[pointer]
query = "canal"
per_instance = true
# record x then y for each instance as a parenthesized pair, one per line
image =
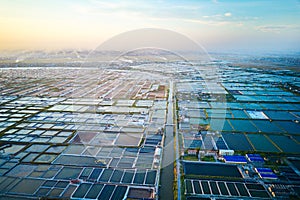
(167, 166)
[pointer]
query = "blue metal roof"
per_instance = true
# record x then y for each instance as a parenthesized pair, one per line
(264, 170)
(270, 176)
(256, 159)
(253, 155)
(235, 158)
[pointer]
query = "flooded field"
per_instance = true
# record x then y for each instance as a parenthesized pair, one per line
(103, 134)
(211, 169)
(62, 139)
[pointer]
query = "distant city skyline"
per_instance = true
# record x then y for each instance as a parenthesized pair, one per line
(249, 25)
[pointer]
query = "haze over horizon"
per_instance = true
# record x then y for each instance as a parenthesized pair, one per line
(217, 25)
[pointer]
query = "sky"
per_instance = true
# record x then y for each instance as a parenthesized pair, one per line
(218, 25)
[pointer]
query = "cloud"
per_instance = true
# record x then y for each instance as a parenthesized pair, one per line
(210, 22)
(133, 9)
(228, 14)
(207, 22)
(146, 11)
(97, 8)
(222, 16)
(276, 28)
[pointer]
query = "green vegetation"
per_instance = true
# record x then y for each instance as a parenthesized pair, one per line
(208, 159)
(175, 186)
(55, 89)
(182, 188)
(190, 158)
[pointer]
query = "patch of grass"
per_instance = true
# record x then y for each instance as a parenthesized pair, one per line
(190, 158)
(208, 159)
